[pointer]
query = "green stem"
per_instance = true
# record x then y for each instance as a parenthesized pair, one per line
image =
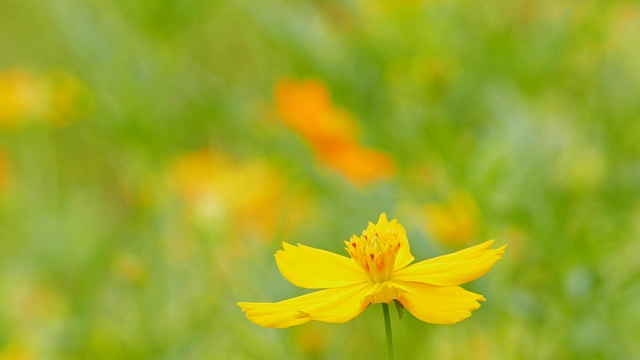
(387, 328)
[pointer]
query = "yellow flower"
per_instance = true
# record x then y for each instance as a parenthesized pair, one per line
(378, 272)
(17, 349)
(22, 97)
(25, 98)
(455, 222)
(69, 98)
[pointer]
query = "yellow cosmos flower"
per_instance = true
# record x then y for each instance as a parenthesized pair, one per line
(56, 98)
(22, 97)
(454, 222)
(377, 272)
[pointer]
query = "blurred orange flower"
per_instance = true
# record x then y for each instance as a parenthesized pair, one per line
(307, 109)
(454, 222)
(252, 195)
(27, 98)
(356, 163)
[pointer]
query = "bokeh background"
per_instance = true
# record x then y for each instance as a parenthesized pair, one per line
(155, 153)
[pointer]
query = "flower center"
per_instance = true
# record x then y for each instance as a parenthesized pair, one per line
(375, 252)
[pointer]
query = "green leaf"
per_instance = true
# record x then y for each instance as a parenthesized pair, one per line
(399, 308)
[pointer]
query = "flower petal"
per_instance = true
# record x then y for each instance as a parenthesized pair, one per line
(404, 257)
(385, 292)
(312, 268)
(453, 269)
(439, 304)
(336, 305)
(464, 254)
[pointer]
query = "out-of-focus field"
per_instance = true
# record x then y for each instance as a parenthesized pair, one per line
(154, 154)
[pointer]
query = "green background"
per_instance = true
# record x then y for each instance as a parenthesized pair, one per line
(531, 108)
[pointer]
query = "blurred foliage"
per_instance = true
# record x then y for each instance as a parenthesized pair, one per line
(154, 154)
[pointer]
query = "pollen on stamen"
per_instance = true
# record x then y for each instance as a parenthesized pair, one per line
(376, 252)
